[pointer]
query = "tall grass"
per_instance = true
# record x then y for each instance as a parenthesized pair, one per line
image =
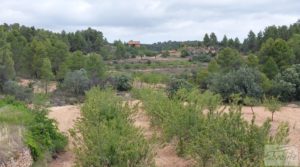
(11, 141)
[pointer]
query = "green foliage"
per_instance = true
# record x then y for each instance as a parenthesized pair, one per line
(229, 59)
(272, 104)
(20, 93)
(154, 64)
(7, 71)
(250, 43)
(213, 67)
(175, 84)
(252, 61)
(294, 43)
(202, 58)
(244, 81)
(75, 61)
(206, 40)
(270, 68)
(250, 101)
(46, 73)
(77, 82)
(105, 137)
(41, 135)
(213, 39)
(203, 131)
(184, 53)
(224, 41)
(95, 66)
(165, 54)
(287, 84)
(123, 83)
(152, 78)
(277, 49)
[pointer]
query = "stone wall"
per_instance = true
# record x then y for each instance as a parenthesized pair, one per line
(22, 159)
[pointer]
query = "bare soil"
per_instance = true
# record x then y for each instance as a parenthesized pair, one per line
(65, 117)
(38, 86)
(289, 113)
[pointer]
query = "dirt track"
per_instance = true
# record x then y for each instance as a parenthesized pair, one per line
(65, 116)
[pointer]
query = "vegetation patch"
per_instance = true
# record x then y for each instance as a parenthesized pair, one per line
(36, 130)
(105, 135)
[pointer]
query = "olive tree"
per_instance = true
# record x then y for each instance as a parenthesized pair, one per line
(77, 82)
(245, 81)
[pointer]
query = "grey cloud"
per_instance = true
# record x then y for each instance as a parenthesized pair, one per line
(152, 20)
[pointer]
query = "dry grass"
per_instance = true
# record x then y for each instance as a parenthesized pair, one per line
(10, 141)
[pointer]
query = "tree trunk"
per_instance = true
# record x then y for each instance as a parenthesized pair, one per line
(272, 116)
(46, 87)
(252, 110)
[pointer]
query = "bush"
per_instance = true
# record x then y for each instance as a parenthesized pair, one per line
(77, 82)
(184, 53)
(152, 78)
(202, 58)
(43, 136)
(105, 135)
(206, 133)
(123, 83)
(175, 84)
(165, 54)
(284, 90)
(287, 84)
(19, 92)
(41, 133)
(245, 81)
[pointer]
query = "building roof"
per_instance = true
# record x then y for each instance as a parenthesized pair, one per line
(131, 42)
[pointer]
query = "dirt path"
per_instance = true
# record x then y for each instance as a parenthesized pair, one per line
(65, 116)
(165, 155)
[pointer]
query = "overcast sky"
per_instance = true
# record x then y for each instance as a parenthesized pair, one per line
(152, 20)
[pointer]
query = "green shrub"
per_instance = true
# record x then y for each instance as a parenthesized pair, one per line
(152, 78)
(77, 82)
(123, 83)
(165, 54)
(203, 131)
(244, 81)
(19, 92)
(287, 84)
(175, 84)
(202, 58)
(105, 136)
(185, 53)
(41, 133)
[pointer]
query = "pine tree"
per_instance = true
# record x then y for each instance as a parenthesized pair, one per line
(7, 70)
(270, 68)
(46, 73)
(213, 39)
(206, 40)
(224, 41)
